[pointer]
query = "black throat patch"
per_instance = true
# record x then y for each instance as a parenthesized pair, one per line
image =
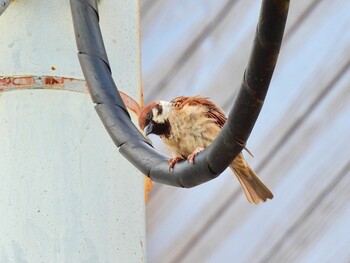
(162, 129)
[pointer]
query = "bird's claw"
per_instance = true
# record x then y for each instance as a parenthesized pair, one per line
(173, 161)
(191, 157)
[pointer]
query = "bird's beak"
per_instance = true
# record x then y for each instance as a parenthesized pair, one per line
(149, 129)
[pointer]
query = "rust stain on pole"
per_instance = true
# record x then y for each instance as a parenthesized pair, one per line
(17, 82)
(11, 83)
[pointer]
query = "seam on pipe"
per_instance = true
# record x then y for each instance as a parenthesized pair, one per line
(250, 91)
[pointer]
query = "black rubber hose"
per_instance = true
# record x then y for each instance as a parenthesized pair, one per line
(241, 119)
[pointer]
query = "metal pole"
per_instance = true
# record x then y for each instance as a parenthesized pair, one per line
(66, 193)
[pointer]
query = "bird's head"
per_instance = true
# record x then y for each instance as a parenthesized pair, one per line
(154, 118)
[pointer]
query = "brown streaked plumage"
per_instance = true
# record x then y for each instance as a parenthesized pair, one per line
(187, 125)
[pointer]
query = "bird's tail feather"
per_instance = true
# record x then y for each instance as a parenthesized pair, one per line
(254, 189)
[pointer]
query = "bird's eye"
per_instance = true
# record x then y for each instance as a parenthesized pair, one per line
(149, 116)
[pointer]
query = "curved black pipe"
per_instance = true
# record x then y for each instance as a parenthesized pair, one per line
(241, 119)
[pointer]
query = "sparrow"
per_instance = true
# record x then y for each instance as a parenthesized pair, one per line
(187, 125)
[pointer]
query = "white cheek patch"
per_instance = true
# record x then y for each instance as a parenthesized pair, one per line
(166, 109)
(155, 113)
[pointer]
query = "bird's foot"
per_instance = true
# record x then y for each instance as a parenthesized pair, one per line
(173, 161)
(190, 158)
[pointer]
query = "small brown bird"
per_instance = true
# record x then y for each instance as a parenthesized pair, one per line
(187, 125)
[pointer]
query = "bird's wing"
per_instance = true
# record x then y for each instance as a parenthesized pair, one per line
(212, 111)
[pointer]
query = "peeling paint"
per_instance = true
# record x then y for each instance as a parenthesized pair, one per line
(50, 81)
(11, 83)
(16, 82)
